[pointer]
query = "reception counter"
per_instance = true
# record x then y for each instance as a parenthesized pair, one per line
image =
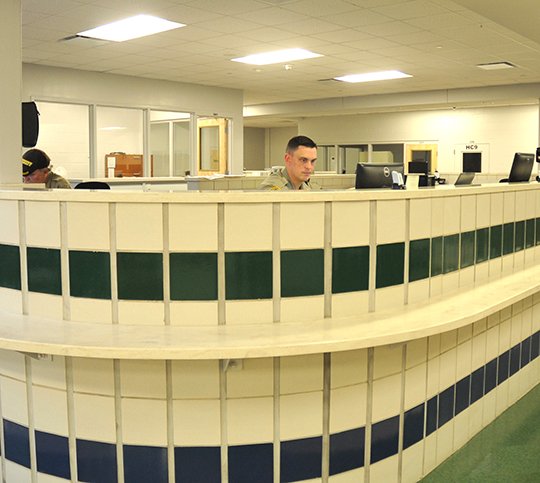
(337, 336)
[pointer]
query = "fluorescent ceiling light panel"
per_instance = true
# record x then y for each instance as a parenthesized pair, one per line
(373, 76)
(277, 57)
(131, 28)
(496, 66)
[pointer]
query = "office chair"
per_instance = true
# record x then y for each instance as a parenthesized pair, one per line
(92, 185)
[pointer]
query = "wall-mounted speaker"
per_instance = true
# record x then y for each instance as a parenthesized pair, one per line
(30, 124)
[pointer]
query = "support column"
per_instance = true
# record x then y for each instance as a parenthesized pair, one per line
(10, 94)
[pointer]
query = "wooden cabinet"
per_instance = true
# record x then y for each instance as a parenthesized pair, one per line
(124, 165)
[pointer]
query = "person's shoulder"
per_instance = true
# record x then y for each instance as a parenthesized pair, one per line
(311, 185)
(274, 181)
(56, 181)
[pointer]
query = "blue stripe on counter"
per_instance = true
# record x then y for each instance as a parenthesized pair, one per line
(300, 459)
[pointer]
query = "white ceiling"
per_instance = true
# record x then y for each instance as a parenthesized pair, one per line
(438, 42)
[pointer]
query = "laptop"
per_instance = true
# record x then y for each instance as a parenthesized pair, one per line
(464, 179)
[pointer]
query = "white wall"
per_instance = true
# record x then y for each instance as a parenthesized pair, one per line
(502, 131)
(10, 93)
(63, 135)
(277, 142)
(254, 148)
(70, 85)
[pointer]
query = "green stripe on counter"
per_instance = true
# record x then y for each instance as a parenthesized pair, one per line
(248, 275)
(350, 269)
(302, 273)
(467, 249)
(419, 251)
(44, 274)
(390, 264)
(90, 274)
(482, 244)
(140, 276)
(450, 253)
(10, 267)
(193, 276)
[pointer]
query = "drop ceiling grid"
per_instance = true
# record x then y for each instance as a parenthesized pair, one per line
(438, 41)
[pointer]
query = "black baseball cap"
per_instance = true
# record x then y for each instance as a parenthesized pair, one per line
(34, 159)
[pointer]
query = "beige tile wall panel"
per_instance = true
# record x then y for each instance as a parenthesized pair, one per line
(9, 214)
(42, 224)
(88, 226)
(139, 227)
(248, 227)
(301, 226)
(390, 222)
(201, 219)
(350, 224)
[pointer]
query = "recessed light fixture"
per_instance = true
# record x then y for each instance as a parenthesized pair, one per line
(373, 76)
(277, 57)
(496, 66)
(113, 128)
(131, 28)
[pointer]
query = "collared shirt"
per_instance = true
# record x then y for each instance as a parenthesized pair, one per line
(56, 181)
(279, 179)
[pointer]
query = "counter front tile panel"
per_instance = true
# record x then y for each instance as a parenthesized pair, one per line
(391, 412)
(182, 277)
(386, 390)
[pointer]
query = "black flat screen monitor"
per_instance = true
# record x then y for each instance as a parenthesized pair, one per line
(374, 175)
(521, 168)
(464, 179)
(472, 162)
(420, 167)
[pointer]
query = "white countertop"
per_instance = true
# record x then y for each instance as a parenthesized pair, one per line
(45, 336)
(255, 196)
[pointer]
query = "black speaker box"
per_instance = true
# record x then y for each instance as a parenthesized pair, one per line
(30, 124)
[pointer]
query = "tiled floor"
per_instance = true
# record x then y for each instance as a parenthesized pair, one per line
(505, 452)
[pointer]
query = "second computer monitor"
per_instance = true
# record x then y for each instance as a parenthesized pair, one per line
(420, 167)
(521, 167)
(375, 175)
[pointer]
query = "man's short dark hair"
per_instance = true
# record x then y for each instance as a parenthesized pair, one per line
(297, 141)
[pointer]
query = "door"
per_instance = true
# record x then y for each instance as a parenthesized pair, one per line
(422, 152)
(212, 146)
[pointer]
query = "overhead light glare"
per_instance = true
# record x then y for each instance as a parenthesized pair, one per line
(496, 66)
(373, 76)
(131, 28)
(277, 57)
(113, 128)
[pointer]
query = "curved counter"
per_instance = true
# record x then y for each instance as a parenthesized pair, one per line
(255, 336)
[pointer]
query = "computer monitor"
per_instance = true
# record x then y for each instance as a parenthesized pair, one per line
(472, 162)
(420, 167)
(464, 179)
(521, 168)
(371, 175)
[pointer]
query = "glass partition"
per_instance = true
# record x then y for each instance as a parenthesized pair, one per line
(387, 153)
(119, 139)
(170, 143)
(181, 152)
(326, 158)
(351, 155)
(159, 148)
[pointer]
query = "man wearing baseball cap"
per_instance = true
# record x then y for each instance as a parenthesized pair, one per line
(36, 169)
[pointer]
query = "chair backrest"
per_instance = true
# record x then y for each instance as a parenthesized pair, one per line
(92, 185)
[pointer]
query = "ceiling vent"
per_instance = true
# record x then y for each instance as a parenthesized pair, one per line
(496, 66)
(86, 41)
(276, 3)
